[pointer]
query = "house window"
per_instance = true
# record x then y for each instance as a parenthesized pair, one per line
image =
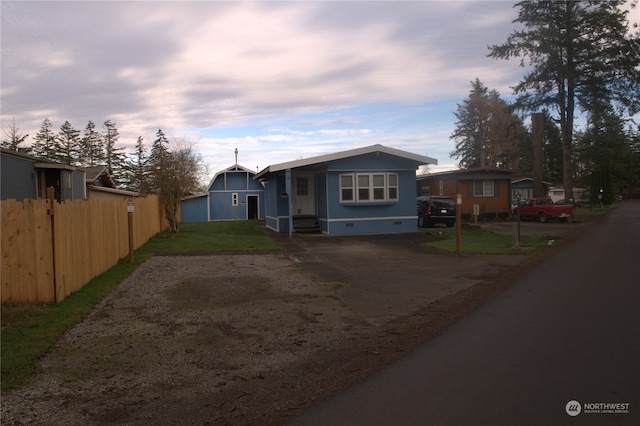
(392, 179)
(234, 199)
(524, 193)
(346, 188)
(363, 187)
(369, 187)
(67, 180)
(379, 189)
(302, 186)
(441, 187)
(483, 188)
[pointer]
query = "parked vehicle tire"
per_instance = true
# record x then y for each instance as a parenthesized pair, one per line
(450, 224)
(542, 217)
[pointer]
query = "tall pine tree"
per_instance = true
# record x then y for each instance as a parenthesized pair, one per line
(92, 151)
(487, 134)
(68, 144)
(579, 52)
(138, 170)
(44, 142)
(12, 138)
(114, 156)
(158, 159)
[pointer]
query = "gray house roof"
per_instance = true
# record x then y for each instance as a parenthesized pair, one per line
(345, 154)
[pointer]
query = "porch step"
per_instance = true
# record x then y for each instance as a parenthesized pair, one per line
(306, 224)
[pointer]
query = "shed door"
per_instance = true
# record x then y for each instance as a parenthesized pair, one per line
(302, 186)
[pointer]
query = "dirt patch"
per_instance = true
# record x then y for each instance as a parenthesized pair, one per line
(237, 339)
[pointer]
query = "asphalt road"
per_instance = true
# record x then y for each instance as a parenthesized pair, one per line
(567, 331)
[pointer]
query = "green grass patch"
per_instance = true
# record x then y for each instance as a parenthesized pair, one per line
(475, 240)
(213, 237)
(29, 330)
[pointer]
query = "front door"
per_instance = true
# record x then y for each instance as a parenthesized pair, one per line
(303, 194)
(252, 207)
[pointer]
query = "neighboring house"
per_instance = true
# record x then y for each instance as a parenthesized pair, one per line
(100, 185)
(524, 188)
(488, 189)
(233, 194)
(360, 191)
(580, 194)
(24, 176)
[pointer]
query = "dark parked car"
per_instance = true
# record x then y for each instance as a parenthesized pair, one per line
(436, 209)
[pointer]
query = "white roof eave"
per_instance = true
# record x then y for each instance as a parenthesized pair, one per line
(421, 159)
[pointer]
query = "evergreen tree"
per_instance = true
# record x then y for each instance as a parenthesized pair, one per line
(92, 151)
(158, 159)
(487, 133)
(138, 170)
(12, 138)
(68, 144)
(605, 149)
(45, 144)
(579, 53)
(114, 156)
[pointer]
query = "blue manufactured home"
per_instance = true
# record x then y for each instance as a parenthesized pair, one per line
(233, 194)
(360, 191)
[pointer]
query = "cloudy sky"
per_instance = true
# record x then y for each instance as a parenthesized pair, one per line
(278, 80)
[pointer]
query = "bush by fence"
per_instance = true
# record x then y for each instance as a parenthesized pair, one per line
(50, 250)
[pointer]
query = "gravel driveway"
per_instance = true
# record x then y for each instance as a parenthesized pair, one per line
(250, 338)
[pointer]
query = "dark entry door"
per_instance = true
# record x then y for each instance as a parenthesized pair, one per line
(252, 207)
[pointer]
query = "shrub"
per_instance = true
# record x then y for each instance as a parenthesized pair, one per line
(490, 215)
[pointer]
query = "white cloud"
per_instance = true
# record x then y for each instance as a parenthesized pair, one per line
(278, 80)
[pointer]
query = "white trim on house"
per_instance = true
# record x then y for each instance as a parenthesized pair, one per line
(346, 154)
(233, 169)
(367, 219)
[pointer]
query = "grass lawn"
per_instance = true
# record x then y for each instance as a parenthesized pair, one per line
(475, 240)
(29, 330)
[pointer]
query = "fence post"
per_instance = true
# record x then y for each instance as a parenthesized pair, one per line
(51, 197)
(130, 207)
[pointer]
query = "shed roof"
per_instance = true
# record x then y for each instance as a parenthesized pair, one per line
(346, 154)
(231, 169)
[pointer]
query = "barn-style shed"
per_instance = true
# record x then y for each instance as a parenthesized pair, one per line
(232, 194)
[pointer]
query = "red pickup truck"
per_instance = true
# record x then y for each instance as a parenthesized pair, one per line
(543, 209)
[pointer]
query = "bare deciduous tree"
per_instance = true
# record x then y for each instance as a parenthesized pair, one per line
(178, 173)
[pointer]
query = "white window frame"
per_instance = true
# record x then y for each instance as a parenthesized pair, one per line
(367, 188)
(390, 187)
(488, 188)
(352, 188)
(234, 199)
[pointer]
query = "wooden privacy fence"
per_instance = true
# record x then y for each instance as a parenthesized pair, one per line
(50, 250)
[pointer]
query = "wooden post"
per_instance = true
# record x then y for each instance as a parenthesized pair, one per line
(51, 197)
(130, 208)
(458, 225)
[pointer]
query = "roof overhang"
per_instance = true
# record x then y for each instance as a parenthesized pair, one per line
(420, 159)
(115, 191)
(58, 166)
(475, 173)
